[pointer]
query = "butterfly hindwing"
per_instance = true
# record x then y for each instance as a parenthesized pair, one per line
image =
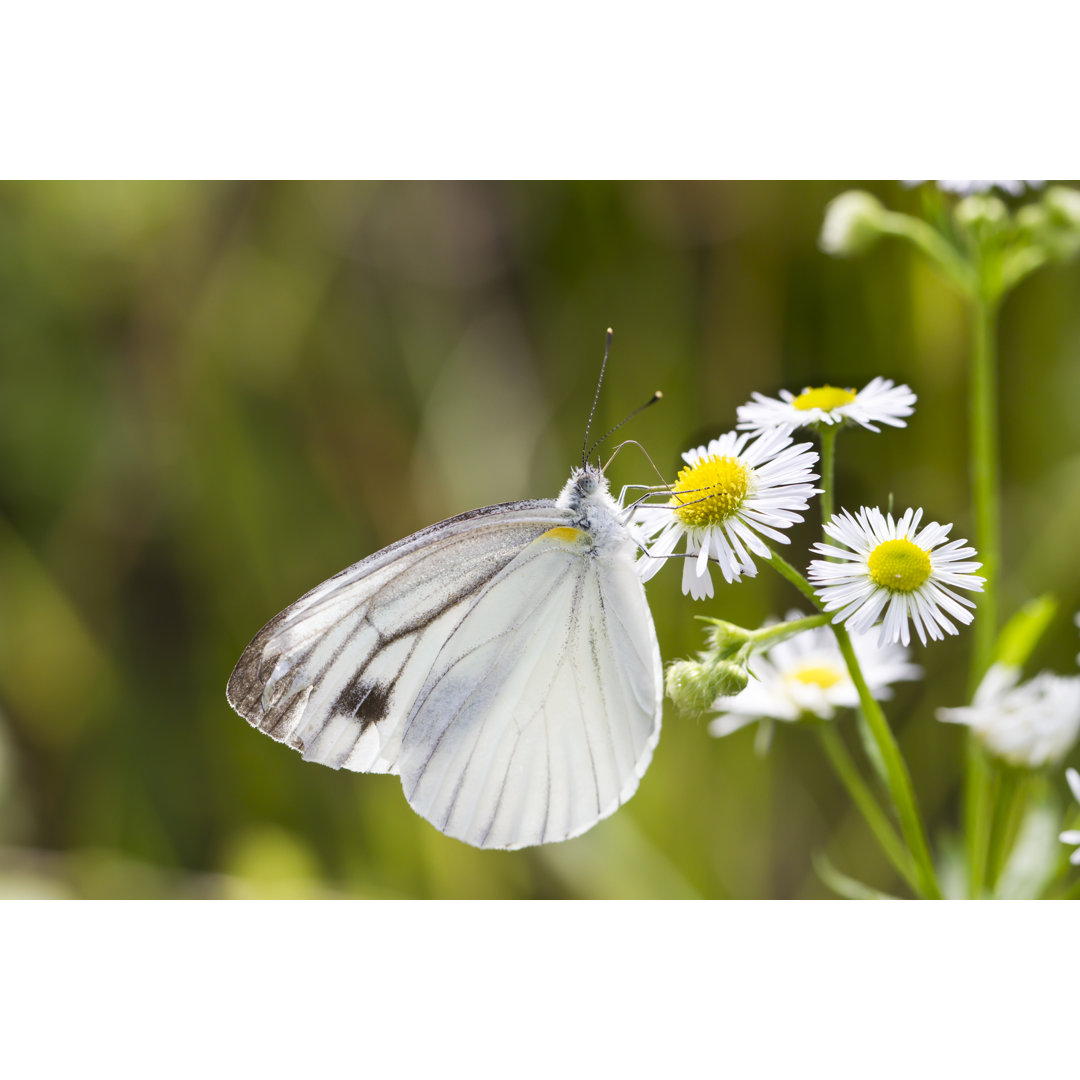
(542, 711)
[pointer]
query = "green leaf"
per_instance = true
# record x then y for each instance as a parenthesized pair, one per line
(871, 748)
(844, 886)
(952, 866)
(1033, 864)
(1022, 632)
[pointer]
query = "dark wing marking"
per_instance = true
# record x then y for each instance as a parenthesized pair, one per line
(336, 672)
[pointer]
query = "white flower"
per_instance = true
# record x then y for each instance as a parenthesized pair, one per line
(880, 401)
(976, 187)
(806, 676)
(1028, 724)
(1072, 836)
(732, 490)
(852, 223)
(893, 568)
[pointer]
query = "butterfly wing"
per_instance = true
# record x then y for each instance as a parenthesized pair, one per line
(542, 710)
(511, 679)
(331, 672)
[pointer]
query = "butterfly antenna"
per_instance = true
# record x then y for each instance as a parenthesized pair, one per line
(596, 397)
(626, 419)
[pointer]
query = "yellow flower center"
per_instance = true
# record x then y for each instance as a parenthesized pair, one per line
(823, 675)
(899, 565)
(710, 491)
(823, 397)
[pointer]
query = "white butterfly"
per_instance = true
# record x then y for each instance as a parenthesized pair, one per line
(503, 663)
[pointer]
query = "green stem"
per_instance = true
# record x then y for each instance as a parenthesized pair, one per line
(900, 787)
(863, 798)
(770, 634)
(786, 570)
(925, 237)
(828, 433)
(985, 480)
(986, 500)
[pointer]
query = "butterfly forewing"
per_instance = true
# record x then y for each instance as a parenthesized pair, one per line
(351, 652)
(503, 662)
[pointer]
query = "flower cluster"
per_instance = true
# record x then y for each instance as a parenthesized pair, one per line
(742, 490)
(879, 579)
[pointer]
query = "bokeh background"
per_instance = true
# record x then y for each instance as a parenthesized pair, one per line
(213, 396)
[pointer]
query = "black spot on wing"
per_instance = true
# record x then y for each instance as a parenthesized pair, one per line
(366, 701)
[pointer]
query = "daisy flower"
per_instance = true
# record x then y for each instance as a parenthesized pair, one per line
(805, 676)
(893, 567)
(1026, 724)
(731, 490)
(881, 401)
(1072, 836)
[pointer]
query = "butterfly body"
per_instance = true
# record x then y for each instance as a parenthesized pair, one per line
(503, 663)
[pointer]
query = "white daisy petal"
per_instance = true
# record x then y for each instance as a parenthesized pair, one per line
(1074, 782)
(1027, 724)
(891, 567)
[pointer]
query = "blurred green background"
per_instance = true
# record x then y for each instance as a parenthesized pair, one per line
(213, 396)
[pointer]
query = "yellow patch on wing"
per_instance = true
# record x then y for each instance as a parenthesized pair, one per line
(565, 533)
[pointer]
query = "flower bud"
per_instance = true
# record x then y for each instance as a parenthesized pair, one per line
(693, 686)
(729, 678)
(852, 224)
(1064, 206)
(1032, 218)
(724, 638)
(982, 213)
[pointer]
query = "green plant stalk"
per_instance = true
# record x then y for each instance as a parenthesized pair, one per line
(987, 507)
(985, 480)
(786, 570)
(900, 786)
(828, 433)
(936, 248)
(769, 634)
(861, 795)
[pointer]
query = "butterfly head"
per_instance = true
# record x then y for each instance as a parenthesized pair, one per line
(586, 486)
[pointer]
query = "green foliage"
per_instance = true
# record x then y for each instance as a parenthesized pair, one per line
(213, 396)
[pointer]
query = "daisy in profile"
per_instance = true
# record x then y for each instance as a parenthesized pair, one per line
(1026, 724)
(1072, 836)
(730, 492)
(894, 568)
(805, 677)
(879, 402)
